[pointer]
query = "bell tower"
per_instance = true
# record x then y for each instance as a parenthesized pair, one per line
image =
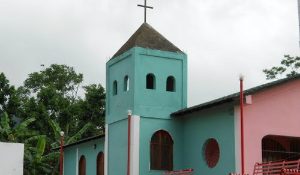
(147, 75)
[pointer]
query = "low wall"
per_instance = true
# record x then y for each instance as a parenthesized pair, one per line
(11, 158)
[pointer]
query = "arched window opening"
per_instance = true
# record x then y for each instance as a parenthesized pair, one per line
(150, 81)
(126, 83)
(100, 164)
(82, 166)
(161, 151)
(279, 148)
(115, 87)
(211, 152)
(170, 85)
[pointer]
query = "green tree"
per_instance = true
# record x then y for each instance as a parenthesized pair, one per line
(290, 66)
(9, 97)
(67, 140)
(15, 133)
(5, 92)
(34, 160)
(54, 96)
(62, 78)
(92, 108)
(48, 103)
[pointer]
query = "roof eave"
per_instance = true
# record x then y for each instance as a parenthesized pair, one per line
(233, 97)
(81, 141)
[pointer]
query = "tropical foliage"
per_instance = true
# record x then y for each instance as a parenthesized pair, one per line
(290, 66)
(46, 104)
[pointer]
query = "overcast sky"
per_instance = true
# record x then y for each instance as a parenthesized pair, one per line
(222, 38)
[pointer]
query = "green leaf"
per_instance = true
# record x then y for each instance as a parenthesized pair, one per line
(22, 126)
(55, 128)
(5, 127)
(78, 135)
(289, 67)
(40, 148)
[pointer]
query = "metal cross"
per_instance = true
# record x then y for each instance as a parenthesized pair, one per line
(145, 10)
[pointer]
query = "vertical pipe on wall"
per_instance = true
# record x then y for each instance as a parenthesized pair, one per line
(242, 122)
(129, 142)
(299, 21)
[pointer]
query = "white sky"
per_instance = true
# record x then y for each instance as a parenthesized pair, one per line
(222, 38)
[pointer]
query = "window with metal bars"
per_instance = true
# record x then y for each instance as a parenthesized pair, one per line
(280, 148)
(161, 151)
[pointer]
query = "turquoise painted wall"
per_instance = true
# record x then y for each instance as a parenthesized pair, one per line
(70, 161)
(117, 151)
(217, 123)
(148, 127)
(117, 69)
(137, 63)
(159, 103)
(87, 149)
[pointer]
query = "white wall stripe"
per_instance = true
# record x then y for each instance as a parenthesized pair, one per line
(135, 145)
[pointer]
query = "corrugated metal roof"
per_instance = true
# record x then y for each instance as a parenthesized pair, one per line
(233, 97)
(82, 141)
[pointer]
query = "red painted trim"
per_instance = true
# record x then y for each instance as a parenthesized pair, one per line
(281, 167)
(129, 138)
(61, 160)
(242, 124)
(180, 172)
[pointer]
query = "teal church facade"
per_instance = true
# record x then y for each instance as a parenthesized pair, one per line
(146, 80)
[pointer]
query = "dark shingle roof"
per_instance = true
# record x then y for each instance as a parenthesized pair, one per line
(233, 97)
(147, 37)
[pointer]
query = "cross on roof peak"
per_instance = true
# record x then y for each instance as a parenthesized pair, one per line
(145, 10)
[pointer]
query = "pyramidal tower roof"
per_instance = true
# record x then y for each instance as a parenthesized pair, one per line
(147, 37)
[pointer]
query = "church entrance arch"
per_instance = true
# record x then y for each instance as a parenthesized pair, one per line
(161, 151)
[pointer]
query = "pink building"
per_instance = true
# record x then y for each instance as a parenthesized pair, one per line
(271, 123)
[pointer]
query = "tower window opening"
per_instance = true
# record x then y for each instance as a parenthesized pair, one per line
(115, 87)
(126, 83)
(161, 151)
(170, 85)
(150, 81)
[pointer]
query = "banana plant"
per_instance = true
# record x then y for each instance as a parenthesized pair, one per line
(56, 129)
(18, 133)
(35, 162)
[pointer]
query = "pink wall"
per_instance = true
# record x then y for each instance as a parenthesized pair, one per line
(274, 111)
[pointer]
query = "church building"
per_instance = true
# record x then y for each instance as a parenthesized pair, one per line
(150, 130)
